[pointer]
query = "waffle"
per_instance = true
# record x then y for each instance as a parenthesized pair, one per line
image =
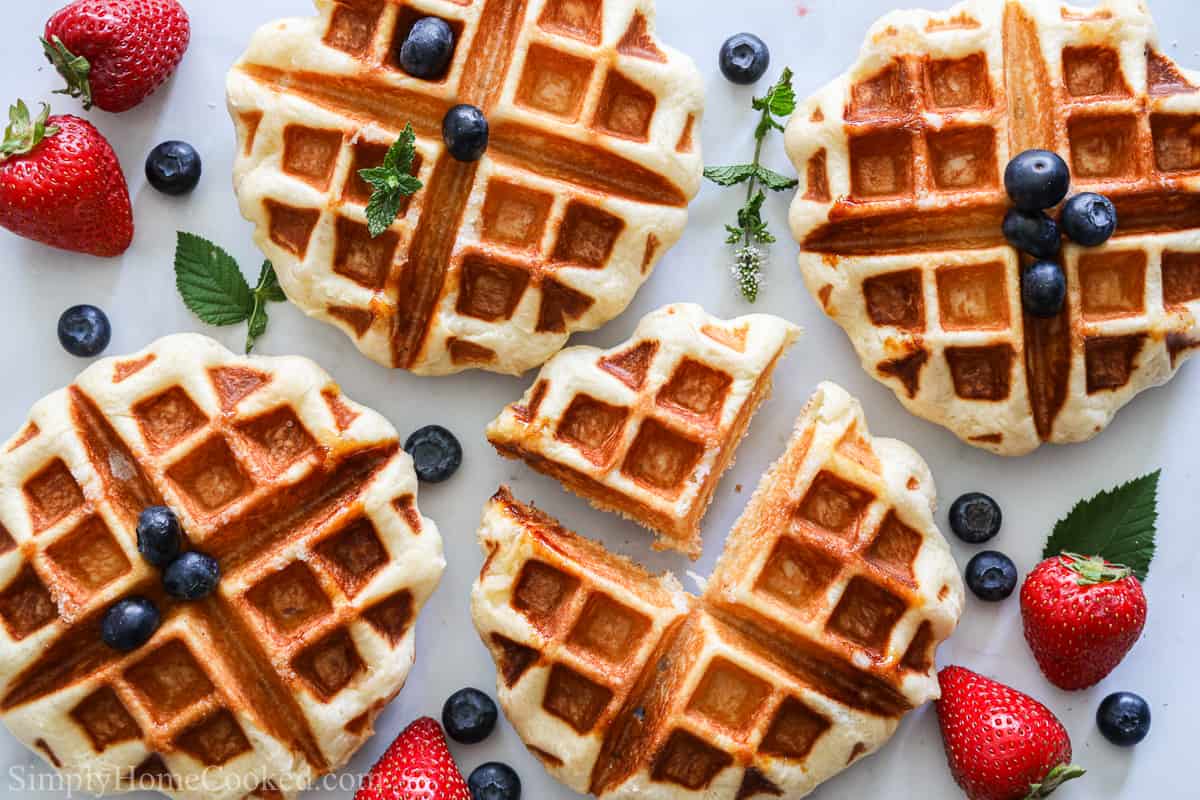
(901, 201)
(648, 428)
(308, 503)
(594, 155)
(815, 635)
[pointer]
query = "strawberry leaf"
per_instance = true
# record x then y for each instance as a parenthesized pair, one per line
(76, 70)
(24, 132)
(1118, 525)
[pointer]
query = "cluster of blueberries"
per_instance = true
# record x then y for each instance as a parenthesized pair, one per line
(426, 54)
(187, 575)
(469, 717)
(1038, 180)
(1123, 717)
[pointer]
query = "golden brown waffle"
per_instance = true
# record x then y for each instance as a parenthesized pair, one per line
(901, 201)
(648, 428)
(594, 155)
(815, 635)
(309, 505)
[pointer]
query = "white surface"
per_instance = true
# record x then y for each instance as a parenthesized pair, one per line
(138, 292)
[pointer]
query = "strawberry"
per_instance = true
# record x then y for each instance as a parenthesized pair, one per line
(418, 766)
(61, 184)
(1082, 616)
(114, 53)
(1001, 744)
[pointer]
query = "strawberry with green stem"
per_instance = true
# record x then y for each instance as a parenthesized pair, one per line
(751, 229)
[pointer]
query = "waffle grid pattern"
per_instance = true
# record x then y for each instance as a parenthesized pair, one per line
(647, 428)
(308, 504)
(816, 632)
(901, 201)
(594, 154)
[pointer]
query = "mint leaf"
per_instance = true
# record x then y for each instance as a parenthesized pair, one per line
(731, 175)
(1118, 525)
(782, 97)
(391, 182)
(774, 181)
(210, 282)
(267, 291)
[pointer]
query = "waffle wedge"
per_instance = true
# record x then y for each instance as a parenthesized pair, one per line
(593, 158)
(309, 505)
(813, 638)
(648, 428)
(901, 201)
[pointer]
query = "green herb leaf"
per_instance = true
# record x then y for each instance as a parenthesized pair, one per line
(210, 282)
(76, 70)
(213, 288)
(779, 101)
(268, 290)
(1118, 525)
(731, 175)
(774, 181)
(391, 182)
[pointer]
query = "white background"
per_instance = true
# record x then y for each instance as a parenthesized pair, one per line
(817, 38)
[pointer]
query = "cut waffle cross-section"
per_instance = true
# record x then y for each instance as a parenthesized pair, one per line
(814, 636)
(593, 156)
(647, 428)
(308, 504)
(901, 201)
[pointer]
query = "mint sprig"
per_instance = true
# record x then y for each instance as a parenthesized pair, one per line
(391, 182)
(751, 229)
(1117, 525)
(213, 288)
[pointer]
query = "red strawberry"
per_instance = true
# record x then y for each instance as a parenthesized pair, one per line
(114, 53)
(418, 766)
(1001, 744)
(61, 184)
(1082, 616)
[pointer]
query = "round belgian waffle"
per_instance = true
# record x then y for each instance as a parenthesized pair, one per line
(813, 638)
(594, 154)
(308, 503)
(901, 200)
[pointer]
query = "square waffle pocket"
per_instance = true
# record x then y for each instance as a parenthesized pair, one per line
(901, 201)
(648, 428)
(307, 502)
(815, 635)
(594, 154)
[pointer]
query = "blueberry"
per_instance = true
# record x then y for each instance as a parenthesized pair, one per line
(192, 576)
(1032, 232)
(1124, 718)
(427, 49)
(84, 331)
(435, 452)
(469, 716)
(494, 781)
(465, 131)
(159, 537)
(975, 518)
(1037, 180)
(1044, 289)
(129, 624)
(1089, 219)
(744, 58)
(173, 168)
(991, 576)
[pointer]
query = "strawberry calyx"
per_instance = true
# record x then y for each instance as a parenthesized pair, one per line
(1054, 779)
(75, 69)
(1094, 570)
(24, 132)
